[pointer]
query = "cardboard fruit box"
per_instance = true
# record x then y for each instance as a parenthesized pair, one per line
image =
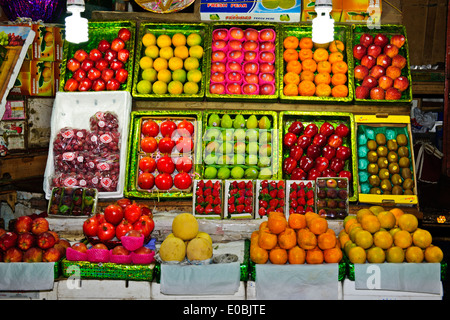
(197, 90)
(147, 147)
(393, 162)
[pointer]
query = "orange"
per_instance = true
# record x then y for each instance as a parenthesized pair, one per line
(357, 254)
(305, 43)
(339, 91)
(324, 66)
(335, 56)
(408, 222)
(296, 255)
(306, 88)
(309, 64)
(320, 54)
(343, 239)
(306, 239)
(290, 42)
(307, 75)
(349, 222)
(287, 239)
(263, 225)
(254, 238)
(397, 213)
(276, 213)
(267, 240)
(277, 224)
(414, 254)
(322, 77)
(295, 66)
(323, 90)
(370, 223)
(259, 255)
(318, 225)
(383, 239)
(290, 90)
(305, 54)
(339, 67)
(338, 78)
(402, 239)
(309, 216)
(332, 255)
(297, 221)
(422, 238)
(290, 55)
(291, 77)
(314, 256)
(326, 241)
(336, 45)
(387, 219)
(433, 254)
(278, 256)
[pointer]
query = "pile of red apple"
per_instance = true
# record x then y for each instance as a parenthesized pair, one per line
(102, 68)
(208, 197)
(243, 61)
(31, 240)
(117, 220)
(380, 67)
(271, 197)
(316, 152)
(168, 158)
(88, 158)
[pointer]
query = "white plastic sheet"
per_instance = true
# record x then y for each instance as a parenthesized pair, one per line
(23, 276)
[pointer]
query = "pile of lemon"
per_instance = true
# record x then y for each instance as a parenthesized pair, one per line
(376, 235)
(171, 65)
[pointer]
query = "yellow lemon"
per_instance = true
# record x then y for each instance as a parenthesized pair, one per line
(149, 74)
(194, 75)
(196, 52)
(194, 39)
(160, 87)
(190, 87)
(163, 41)
(175, 87)
(178, 39)
(144, 86)
(175, 63)
(164, 75)
(148, 39)
(152, 51)
(166, 52)
(181, 52)
(146, 62)
(191, 63)
(160, 64)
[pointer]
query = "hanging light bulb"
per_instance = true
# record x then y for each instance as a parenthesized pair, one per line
(76, 26)
(323, 24)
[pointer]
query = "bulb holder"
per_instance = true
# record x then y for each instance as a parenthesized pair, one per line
(76, 26)
(323, 26)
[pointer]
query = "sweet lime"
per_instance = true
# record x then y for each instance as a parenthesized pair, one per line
(181, 52)
(148, 39)
(196, 51)
(194, 39)
(152, 51)
(149, 74)
(190, 87)
(144, 86)
(166, 52)
(164, 41)
(179, 75)
(178, 39)
(191, 63)
(160, 87)
(160, 64)
(164, 75)
(175, 63)
(175, 87)
(194, 75)
(146, 62)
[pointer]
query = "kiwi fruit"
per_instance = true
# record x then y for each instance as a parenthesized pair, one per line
(392, 145)
(375, 190)
(372, 168)
(403, 152)
(397, 190)
(383, 174)
(380, 139)
(408, 184)
(372, 156)
(392, 156)
(406, 173)
(408, 192)
(402, 140)
(382, 151)
(382, 162)
(404, 162)
(396, 180)
(374, 180)
(372, 145)
(394, 168)
(385, 185)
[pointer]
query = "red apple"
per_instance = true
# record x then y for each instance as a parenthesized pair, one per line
(342, 130)
(100, 246)
(79, 75)
(85, 84)
(122, 75)
(234, 88)
(94, 74)
(101, 64)
(234, 76)
(289, 139)
(116, 64)
(51, 255)
(120, 251)
(123, 55)
(390, 50)
(385, 82)
(343, 152)
(107, 74)
(13, 255)
(25, 241)
(110, 55)
(380, 40)
(45, 240)
(8, 240)
(321, 163)
(99, 85)
(326, 129)
(393, 72)
(337, 165)
(250, 67)
(124, 34)
(306, 163)
(368, 61)
(40, 225)
(112, 84)
(398, 40)
(377, 93)
(359, 51)
(266, 67)
(311, 130)
(103, 45)
(393, 94)
(73, 64)
(117, 44)
(33, 255)
(374, 50)
(401, 83)
(399, 61)
(304, 141)
(362, 92)
(23, 224)
(369, 82)
(87, 64)
(80, 55)
(80, 247)
(335, 140)
(95, 54)
(345, 174)
(366, 39)
(143, 250)
(71, 85)
(361, 72)
(328, 152)
(384, 60)
(299, 174)
(134, 233)
(249, 88)
(377, 72)
(320, 140)
(217, 88)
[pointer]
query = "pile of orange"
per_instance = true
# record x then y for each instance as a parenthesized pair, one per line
(302, 238)
(375, 235)
(314, 72)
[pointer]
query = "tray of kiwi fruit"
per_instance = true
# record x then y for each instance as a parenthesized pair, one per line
(385, 161)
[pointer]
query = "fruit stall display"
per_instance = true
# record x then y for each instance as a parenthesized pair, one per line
(381, 65)
(386, 167)
(243, 62)
(31, 240)
(317, 144)
(315, 74)
(118, 244)
(163, 153)
(104, 63)
(239, 144)
(170, 62)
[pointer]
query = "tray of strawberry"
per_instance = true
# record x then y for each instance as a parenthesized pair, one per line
(270, 197)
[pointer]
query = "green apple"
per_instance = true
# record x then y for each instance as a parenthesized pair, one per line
(210, 159)
(238, 159)
(210, 172)
(265, 173)
(239, 135)
(252, 148)
(265, 150)
(251, 173)
(212, 134)
(264, 162)
(239, 148)
(223, 173)
(251, 159)
(237, 172)
(251, 135)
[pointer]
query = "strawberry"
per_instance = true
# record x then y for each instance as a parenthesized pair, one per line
(301, 201)
(200, 199)
(310, 194)
(248, 209)
(273, 193)
(280, 184)
(231, 208)
(241, 185)
(215, 193)
(264, 184)
(199, 192)
(217, 210)
(240, 208)
(217, 185)
(201, 184)
(230, 200)
(264, 191)
(209, 184)
(241, 200)
(262, 211)
(217, 201)
(293, 204)
(249, 185)
(209, 209)
(293, 195)
(248, 201)
(310, 202)
(281, 203)
(280, 194)
(207, 192)
(199, 209)
(301, 193)
(273, 203)
(241, 192)
(249, 193)
(263, 203)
